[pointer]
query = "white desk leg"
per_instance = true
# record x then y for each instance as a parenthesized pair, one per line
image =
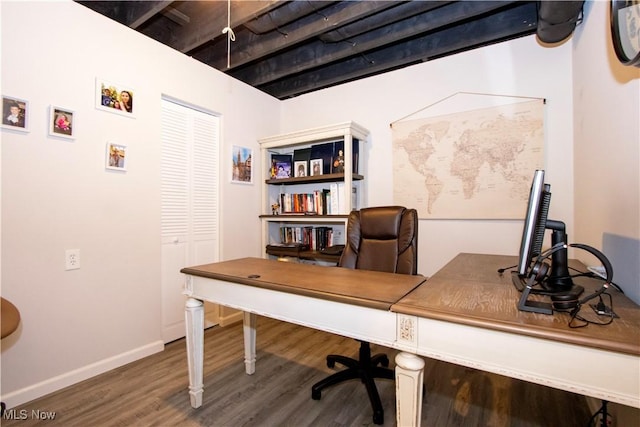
(194, 320)
(409, 380)
(249, 330)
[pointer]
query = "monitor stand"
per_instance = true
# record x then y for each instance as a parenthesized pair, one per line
(533, 306)
(559, 281)
(520, 283)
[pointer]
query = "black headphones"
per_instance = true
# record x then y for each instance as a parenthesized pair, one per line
(541, 268)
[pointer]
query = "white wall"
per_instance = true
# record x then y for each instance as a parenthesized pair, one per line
(519, 68)
(56, 194)
(607, 141)
(607, 156)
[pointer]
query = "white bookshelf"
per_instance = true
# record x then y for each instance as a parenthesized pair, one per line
(349, 133)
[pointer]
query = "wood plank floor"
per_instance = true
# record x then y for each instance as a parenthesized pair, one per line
(153, 391)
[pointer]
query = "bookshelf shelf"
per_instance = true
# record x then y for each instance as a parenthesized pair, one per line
(332, 177)
(304, 217)
(305, 255)
(337, 190)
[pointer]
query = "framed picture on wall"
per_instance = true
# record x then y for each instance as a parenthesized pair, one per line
(241, 158)
(114, 97)
(116, 156)
(15, 113)
(61, 122)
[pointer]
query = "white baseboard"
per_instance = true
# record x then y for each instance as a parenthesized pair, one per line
(59, 382)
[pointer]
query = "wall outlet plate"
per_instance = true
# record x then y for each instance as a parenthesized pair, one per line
(72, 259)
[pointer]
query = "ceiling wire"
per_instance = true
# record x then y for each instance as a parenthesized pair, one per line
(231, 36)
(543, 100)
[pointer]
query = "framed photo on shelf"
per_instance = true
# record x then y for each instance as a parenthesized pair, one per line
(241, 165)
(281, 166)
(15, 113)
(114, 98)
(61, 122)
(324, 152)
(116, 156)
(316, 167)
(300, 168)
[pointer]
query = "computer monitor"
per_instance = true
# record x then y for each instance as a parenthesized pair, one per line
(536, 223)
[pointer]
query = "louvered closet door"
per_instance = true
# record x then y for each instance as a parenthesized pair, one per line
(190, 235)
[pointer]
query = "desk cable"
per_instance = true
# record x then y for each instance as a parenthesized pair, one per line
(601, 309)
(605, 416)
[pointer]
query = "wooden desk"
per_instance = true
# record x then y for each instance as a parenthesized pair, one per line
(352, 303)
(467, 314)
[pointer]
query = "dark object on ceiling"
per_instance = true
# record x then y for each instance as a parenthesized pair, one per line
(557, 19)
(287, 48)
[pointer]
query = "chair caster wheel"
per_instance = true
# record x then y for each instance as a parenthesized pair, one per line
(315, 394)
(331, 363)
(378, 418)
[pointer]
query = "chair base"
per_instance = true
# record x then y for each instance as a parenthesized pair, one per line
(366, 369)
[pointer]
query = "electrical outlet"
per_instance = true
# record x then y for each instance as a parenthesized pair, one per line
(72, 259)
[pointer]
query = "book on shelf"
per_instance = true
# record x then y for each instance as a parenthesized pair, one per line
(308, 237)
(334, 197)
(323, 238)
(314, 203)
(338, 156)
(323, 151)
(291, 249)
(338, 198)
(288, 245)
(281, 166)
(355, 200)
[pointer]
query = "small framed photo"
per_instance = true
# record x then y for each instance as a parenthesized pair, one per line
(61, 122)
(15, 113)
(316, 167)
(300, 168)
(116, 156)
(241, 165)
(114, 97)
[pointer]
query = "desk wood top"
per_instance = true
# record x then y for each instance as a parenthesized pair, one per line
(359, 287)
(470, 291)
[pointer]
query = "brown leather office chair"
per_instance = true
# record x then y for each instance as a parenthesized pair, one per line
(380, 239)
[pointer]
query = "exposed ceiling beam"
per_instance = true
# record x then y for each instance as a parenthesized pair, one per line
(462, 37)
(286, 48)
(402, 10)
(209, 18)
(428, 18)
(140, 12)
(176, 16)
(285, 14)
(249, 47)
(133, 14)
